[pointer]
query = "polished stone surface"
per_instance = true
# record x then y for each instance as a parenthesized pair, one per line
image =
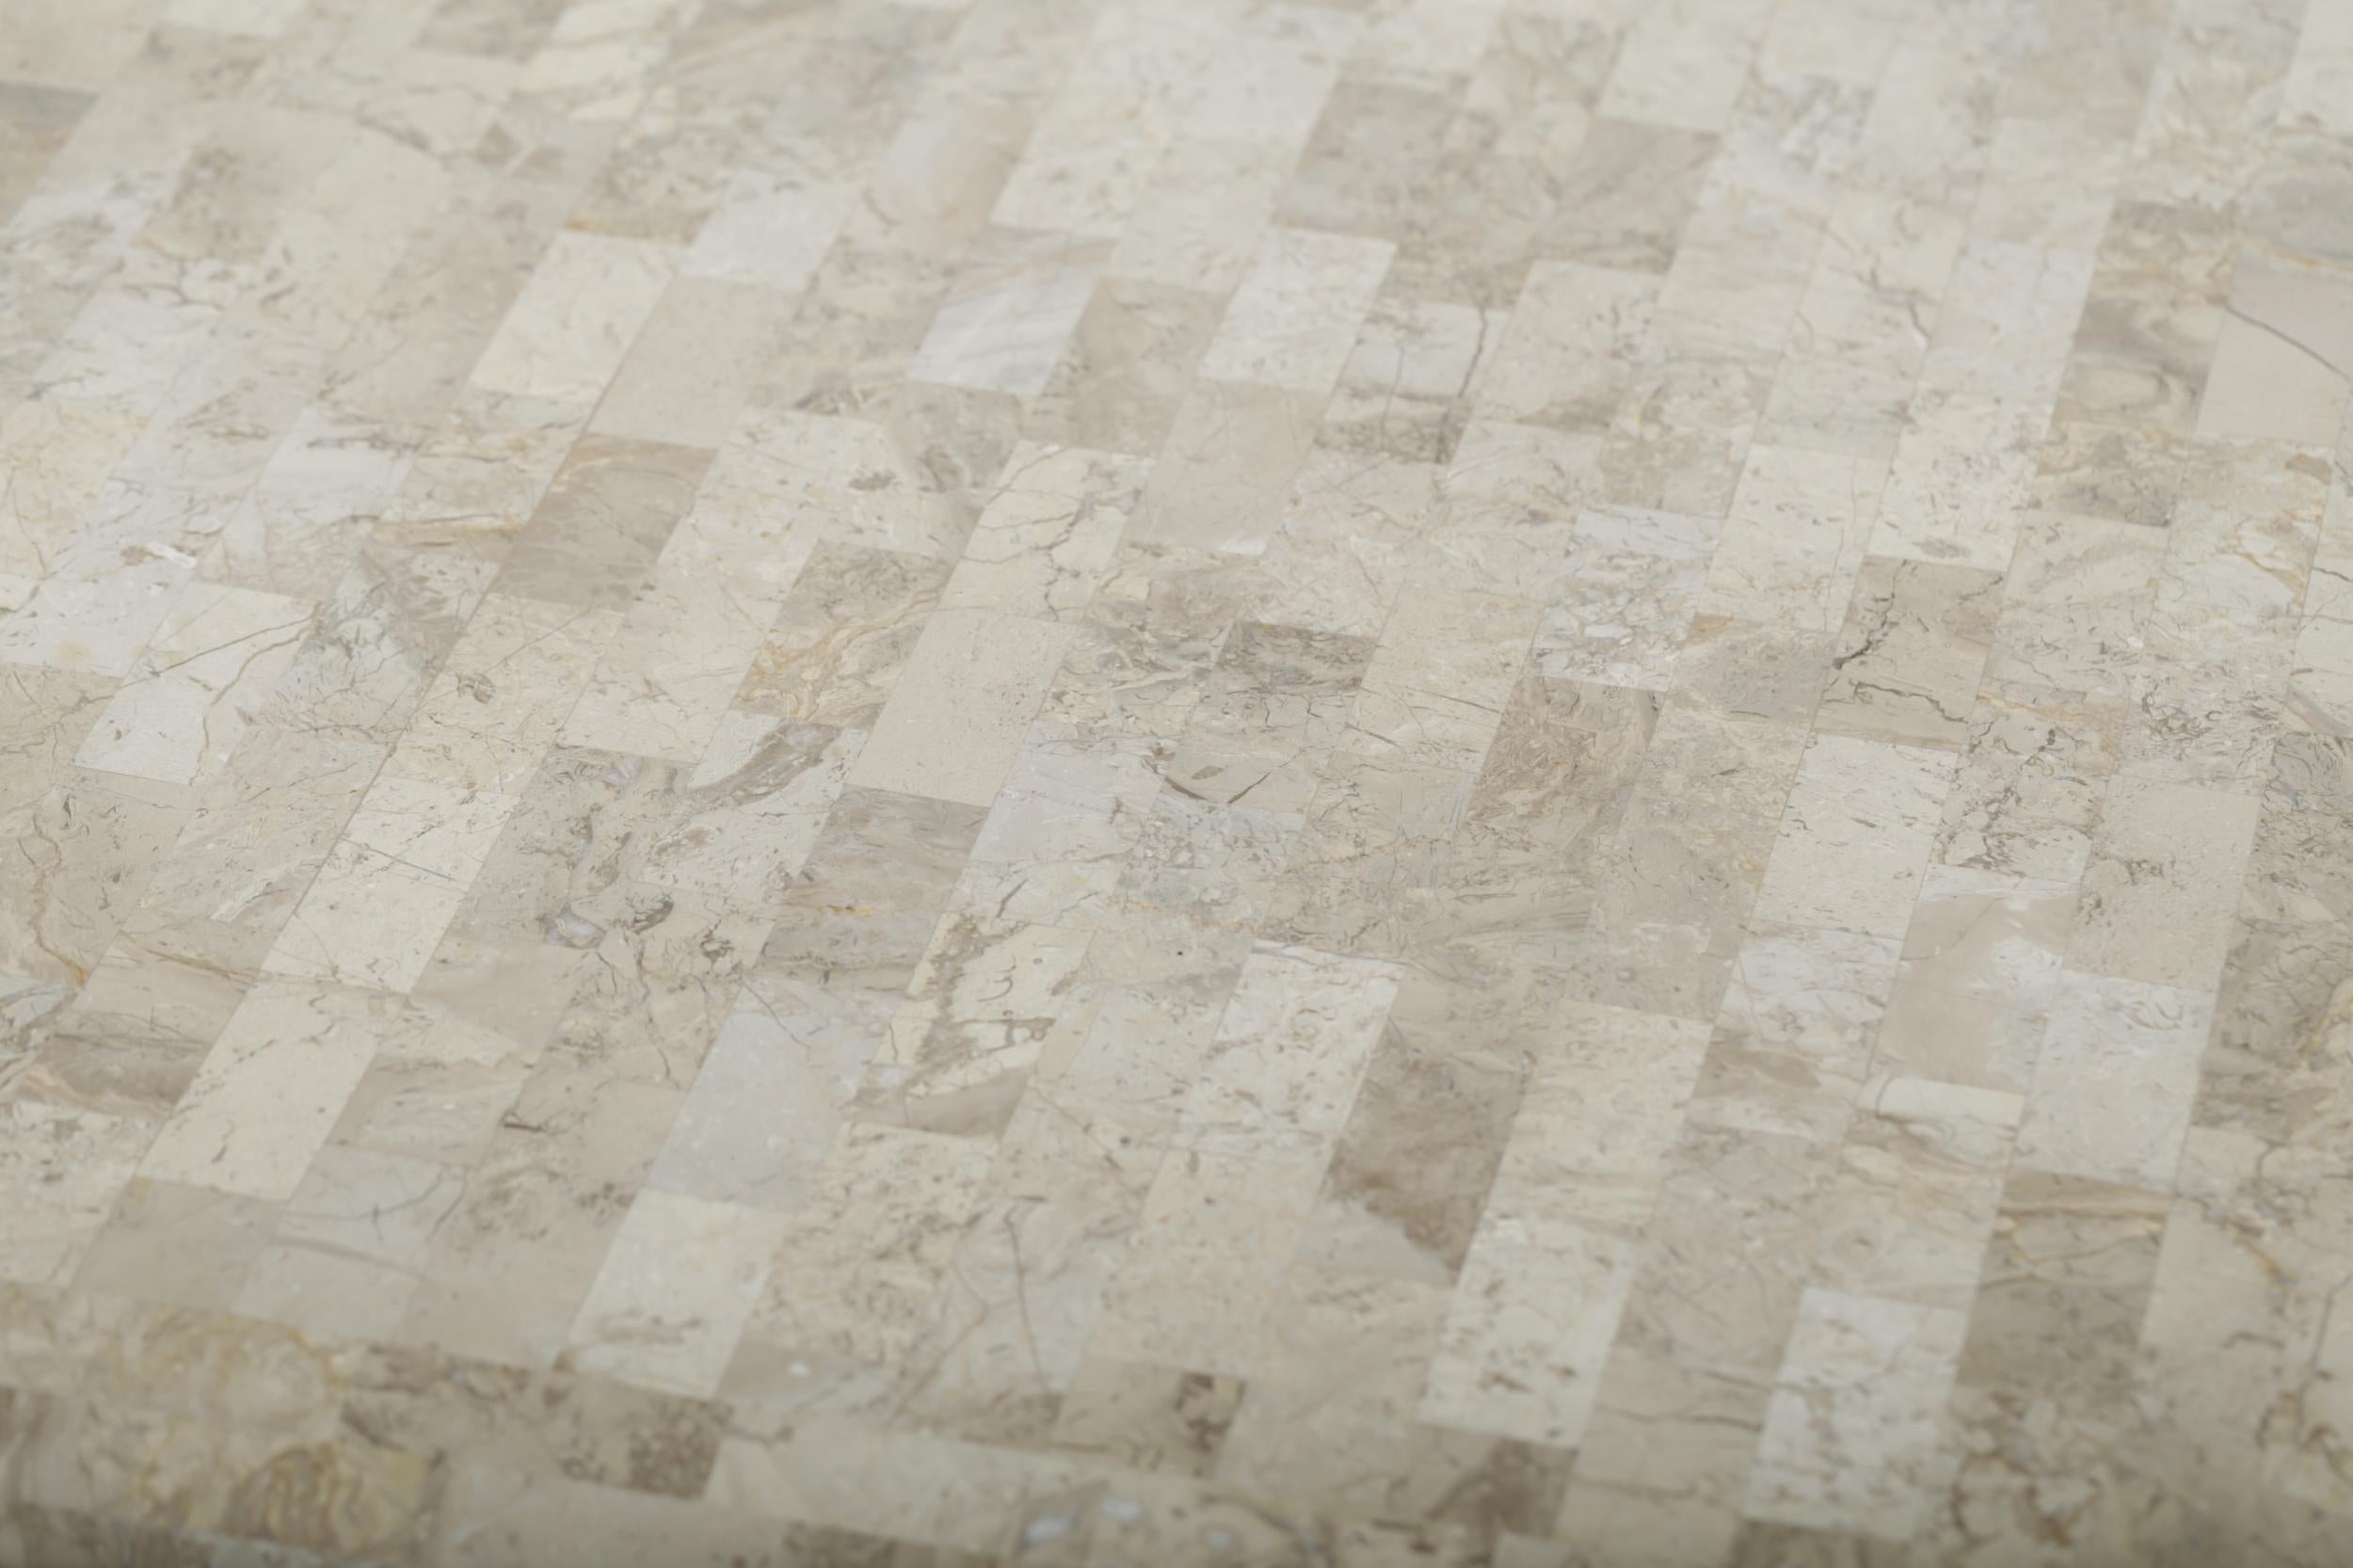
(1168, 783)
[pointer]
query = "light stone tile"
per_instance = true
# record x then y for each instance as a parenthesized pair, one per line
(1045, 540)
(2112, 1088)
(207, 671)
(1852, 1436)
(2163, 884)
(1439, 677)
(64, 1169)
(504, 694)
(1855, 838)
(1294, 317)
(1794, 538)
(675, 1292)
(569, 330)
(391, 884)
(955, 722)
(270, 1090)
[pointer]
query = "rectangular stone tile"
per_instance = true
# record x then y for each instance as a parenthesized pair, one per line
(1794, 538)
(503, 695)
(269, 1092)
(675, 1292)
(391, 884)
(1906, 666)
(1046, 538)
(1227, 1221)
(1861, 820)
(572, 326)
(206, 672)
(988, 1000)
(1294, 317)
(1627, 605)
(704, 347)
(507, 1272)
(1400, 391)
(1565, 358)
(2163, 884)
(1278, 699)
(669, 672)
(1227, 466)
(1008, 317)
(842, 635)
(860, 1269)
(1852, 1434)
(1919, 1183)
(2114, 1084)
(342, 1259)
(594, 535)
(2028, 792)
(2066, 1286)
(1288, 1054)
(1125, 373)
(955, 719)
(1982, 964)
(1790, 1051)
(1440, 675)
(64, 1168)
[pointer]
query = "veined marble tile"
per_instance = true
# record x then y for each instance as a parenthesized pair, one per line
(1500, 783)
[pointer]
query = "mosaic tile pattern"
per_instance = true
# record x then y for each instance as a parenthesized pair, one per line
(1171, 783)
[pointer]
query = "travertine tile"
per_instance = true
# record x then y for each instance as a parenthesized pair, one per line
(1502, 783)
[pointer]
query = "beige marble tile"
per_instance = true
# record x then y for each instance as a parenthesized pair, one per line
(2162, 885)
(291, 1056)
(1503, 783)
(1855, 838)
(954, 720)
(1852, 1434)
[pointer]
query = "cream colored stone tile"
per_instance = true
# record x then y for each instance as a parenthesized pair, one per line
(1004, 327)
(1288, 1054)
(206, 672)
(64, 1168)
(675, 1292)
(271, 1088)
(1294, 317)
(1565, 358)
(2112, 1089)
(1794, 538)
(775, 238)
(504, 694)
(1852, 1436)
(344, 1257)
(860, 1266)
(671, 669)
(2163, 884)
(1683, 64)
(1623, 613)
(391, 884)
(955, 722)
(1096, 142)
(572, 326)
(990, 1001)
(1439, 677)
(1046, 538)
(1221, 479)
(598, 58)
(1982, 964)
(1906, 665)
(1228, 1223)
(1856, 836)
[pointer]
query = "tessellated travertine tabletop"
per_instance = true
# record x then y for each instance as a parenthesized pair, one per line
(1177, 783)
